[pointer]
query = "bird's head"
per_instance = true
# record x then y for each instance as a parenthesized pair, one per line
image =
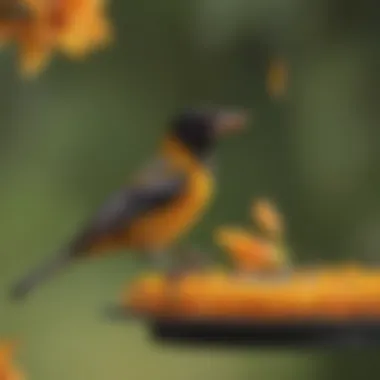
(200, 130)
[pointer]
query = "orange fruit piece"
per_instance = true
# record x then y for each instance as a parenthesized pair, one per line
(249, 252)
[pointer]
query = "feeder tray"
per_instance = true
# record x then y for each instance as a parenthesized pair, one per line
(336, 305)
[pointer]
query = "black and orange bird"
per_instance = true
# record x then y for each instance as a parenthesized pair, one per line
(162, 203)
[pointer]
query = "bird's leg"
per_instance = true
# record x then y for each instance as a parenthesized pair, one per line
(188, 260)
(159, 261)
(196, 258)
(177, 262)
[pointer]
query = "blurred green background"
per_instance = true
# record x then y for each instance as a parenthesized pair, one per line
(77, 132)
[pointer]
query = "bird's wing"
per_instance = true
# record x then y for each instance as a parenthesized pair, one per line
(154, 187)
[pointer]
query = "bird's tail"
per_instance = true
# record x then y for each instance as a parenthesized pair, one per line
(41, 274)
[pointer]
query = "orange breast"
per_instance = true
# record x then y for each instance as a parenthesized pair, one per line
(160, 228)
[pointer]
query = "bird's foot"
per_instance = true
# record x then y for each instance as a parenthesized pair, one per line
(188, 261)
(159, 263)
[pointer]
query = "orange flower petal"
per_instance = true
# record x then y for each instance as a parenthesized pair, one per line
(86, 30)
(267, 217)
(74, 27)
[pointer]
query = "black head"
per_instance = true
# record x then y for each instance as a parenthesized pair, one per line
(199, 130)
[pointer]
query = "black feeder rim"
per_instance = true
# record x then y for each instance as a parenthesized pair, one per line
(267, 334)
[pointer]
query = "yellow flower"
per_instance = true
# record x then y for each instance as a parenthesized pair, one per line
(87, 28)
(73, 27)
(264, 213)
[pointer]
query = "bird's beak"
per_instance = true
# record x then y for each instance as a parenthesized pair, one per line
(230, 122)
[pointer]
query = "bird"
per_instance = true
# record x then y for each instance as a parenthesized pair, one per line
(159, 204)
